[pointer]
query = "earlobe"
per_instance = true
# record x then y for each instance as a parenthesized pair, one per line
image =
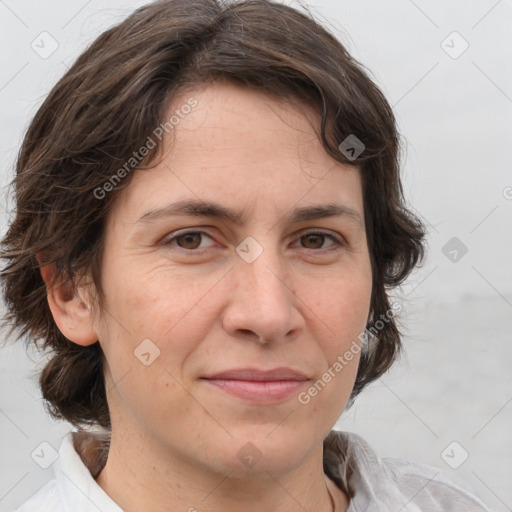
(70, 312)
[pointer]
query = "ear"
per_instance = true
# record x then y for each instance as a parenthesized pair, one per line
(70, 311)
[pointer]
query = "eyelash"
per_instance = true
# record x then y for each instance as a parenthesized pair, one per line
(168, 241)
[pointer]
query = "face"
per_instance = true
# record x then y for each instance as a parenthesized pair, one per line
(278, 284)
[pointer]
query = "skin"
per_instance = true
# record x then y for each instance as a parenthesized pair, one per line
(301, 303)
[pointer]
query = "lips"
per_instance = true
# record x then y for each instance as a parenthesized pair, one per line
(259, 386)
(253, 374)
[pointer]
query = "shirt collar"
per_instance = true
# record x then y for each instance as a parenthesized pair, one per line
(80, 453)
(348, 460)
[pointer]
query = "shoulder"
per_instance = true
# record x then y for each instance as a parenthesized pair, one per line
(433, 487)
(44, 500)
(376, 483)
(74, 488)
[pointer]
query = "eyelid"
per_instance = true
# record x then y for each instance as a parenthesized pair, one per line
(166, 240)
(339, 241)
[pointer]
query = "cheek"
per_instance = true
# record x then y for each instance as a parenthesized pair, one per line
(341, 317)
(342, 309)
(169, 308)
(148, 330)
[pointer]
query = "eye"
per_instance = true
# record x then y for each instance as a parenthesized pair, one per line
(315, 240)
(189, 240)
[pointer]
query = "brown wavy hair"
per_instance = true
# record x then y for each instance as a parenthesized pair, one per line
(107, 105)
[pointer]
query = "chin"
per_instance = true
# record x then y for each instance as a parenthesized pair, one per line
(262, 450)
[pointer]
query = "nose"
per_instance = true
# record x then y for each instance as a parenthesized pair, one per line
(262, 304)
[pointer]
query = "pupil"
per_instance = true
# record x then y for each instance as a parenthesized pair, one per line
(189, 238)
(318, 237)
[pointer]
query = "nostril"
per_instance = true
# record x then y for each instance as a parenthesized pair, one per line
(252, 334)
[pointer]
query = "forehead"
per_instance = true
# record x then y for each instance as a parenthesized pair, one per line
(238, 146)
(244, 122)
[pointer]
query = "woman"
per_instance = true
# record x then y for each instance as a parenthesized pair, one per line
(209, 216)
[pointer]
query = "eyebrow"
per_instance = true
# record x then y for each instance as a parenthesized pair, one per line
(197, 208)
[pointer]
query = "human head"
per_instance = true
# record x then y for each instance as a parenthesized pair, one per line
(115, 96)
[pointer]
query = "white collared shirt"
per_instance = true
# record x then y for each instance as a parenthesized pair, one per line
(374, 484)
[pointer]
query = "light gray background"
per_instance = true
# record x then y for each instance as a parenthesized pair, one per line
(455, 115)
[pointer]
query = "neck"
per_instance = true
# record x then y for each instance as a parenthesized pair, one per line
(148, 478)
